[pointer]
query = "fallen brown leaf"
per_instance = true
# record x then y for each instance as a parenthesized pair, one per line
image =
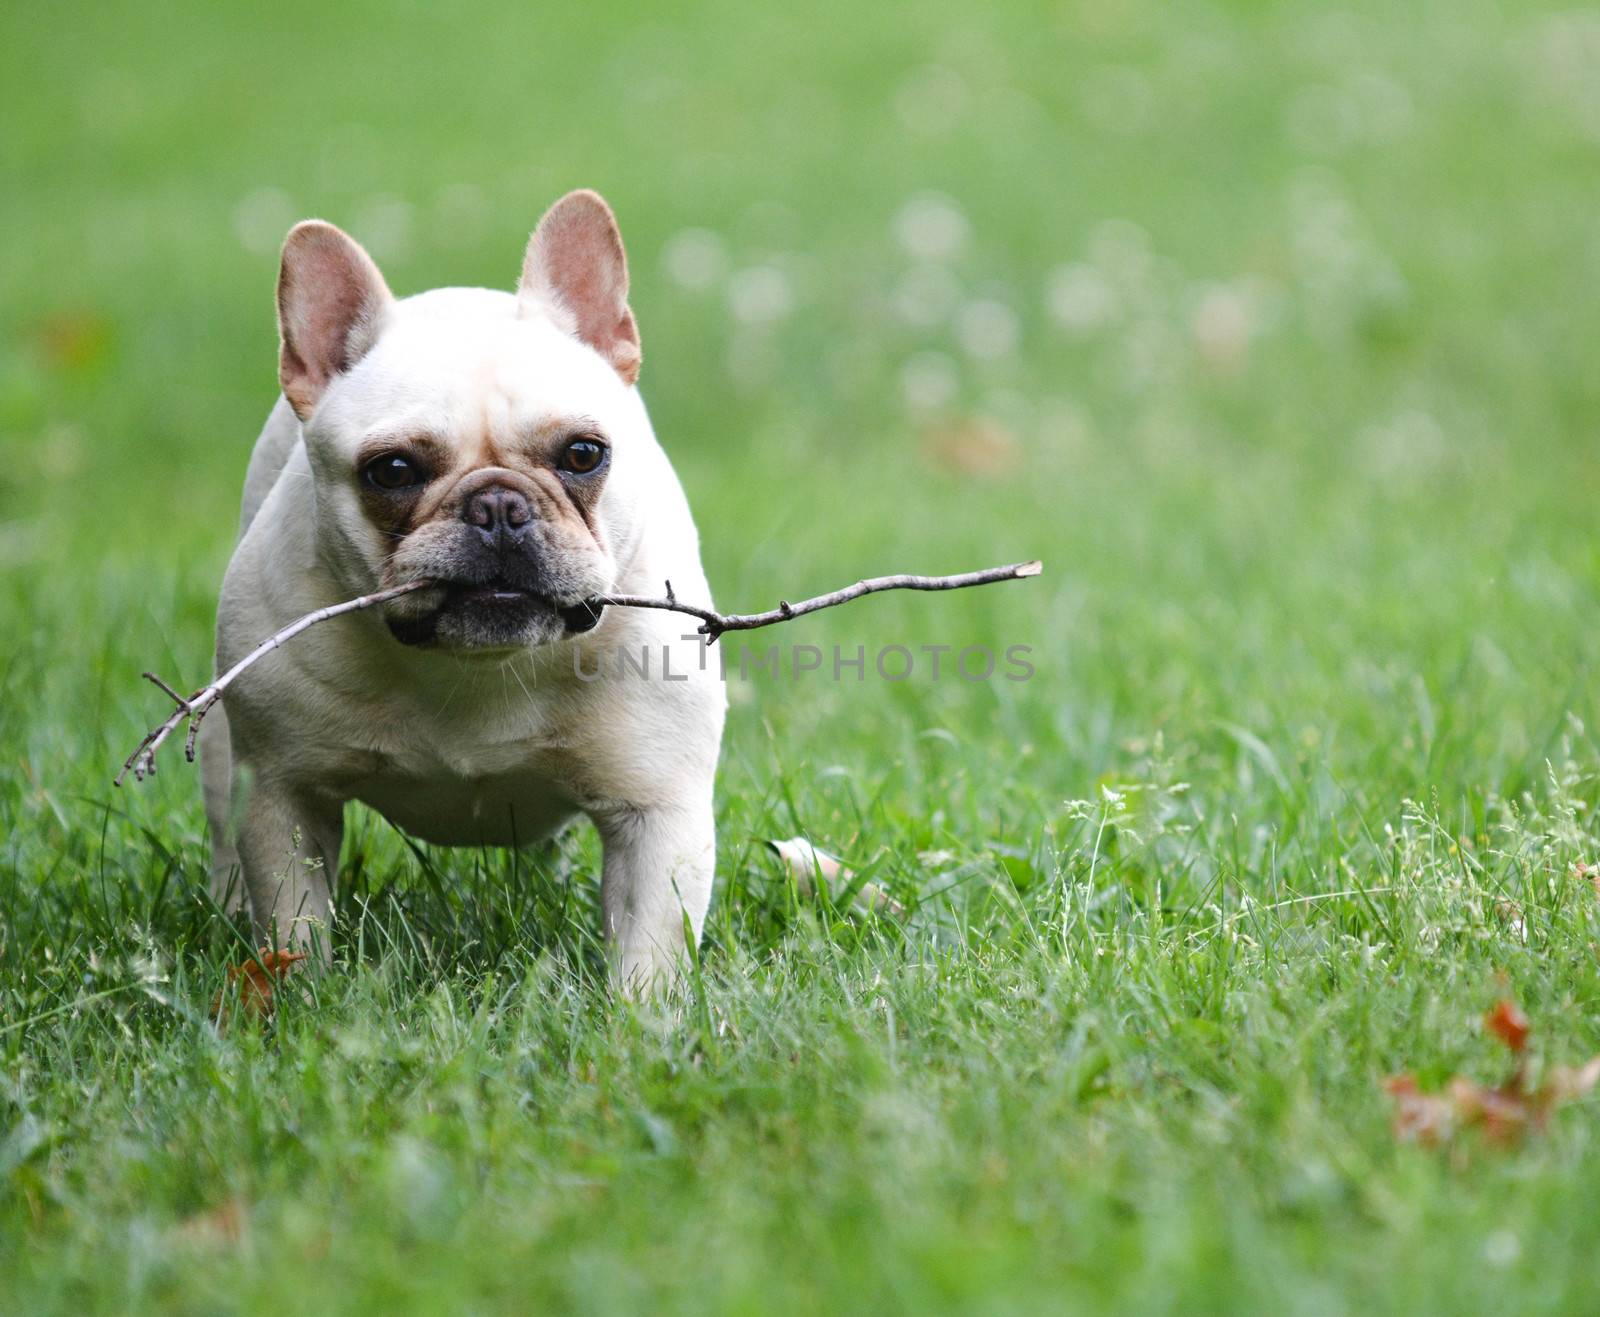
(1507, 1023)
(1565, 1082)
(1587, 873)
(1505, 1112)
(253, 982)
(74, 339)
(1421, 1117)
(973, 446)
(223, 1224)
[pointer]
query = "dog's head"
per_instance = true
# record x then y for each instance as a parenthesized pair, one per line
(481, 440)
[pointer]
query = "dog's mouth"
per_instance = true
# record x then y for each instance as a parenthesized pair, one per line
(494, 613)
(503, 596)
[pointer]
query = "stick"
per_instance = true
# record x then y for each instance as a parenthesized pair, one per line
(713, 624)
(142, 762)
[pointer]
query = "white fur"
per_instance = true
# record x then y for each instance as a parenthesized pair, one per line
(453, 747)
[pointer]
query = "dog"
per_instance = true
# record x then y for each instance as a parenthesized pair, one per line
(495, 445)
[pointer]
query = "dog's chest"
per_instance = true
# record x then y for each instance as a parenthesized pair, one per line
(464, 781)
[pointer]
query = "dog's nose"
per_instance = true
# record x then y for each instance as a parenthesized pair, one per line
(497, 508)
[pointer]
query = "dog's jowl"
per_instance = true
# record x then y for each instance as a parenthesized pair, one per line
(495, 445)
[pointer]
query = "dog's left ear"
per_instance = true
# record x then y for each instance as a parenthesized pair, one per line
(576, 272)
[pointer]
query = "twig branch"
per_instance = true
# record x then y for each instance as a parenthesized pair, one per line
(142, 762)
(713, 624)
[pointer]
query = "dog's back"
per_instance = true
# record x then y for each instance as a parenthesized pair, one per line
(271, 454)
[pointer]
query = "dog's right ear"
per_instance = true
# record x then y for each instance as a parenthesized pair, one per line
(332, 302)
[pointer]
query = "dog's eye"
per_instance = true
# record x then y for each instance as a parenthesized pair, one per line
(393, 472)
(583, 456)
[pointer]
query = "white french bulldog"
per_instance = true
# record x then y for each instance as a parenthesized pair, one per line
(495, 445)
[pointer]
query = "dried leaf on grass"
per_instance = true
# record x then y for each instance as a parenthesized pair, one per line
(1507, 1023)
(806, 863)
(223, 1224)
(1589, 873)
(973, 446)
(252, 984)
(74, 339)
(1505, 1112)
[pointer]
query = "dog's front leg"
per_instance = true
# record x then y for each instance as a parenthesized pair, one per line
(289, 851)
(216, 781)
(659, 866)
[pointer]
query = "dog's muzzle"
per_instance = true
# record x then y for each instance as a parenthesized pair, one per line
(492, 614)
(501, 580)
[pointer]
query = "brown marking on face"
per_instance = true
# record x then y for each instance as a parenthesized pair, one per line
(583, 491)
(574, 499)
(398, 512)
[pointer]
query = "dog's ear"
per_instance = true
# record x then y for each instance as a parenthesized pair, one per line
(576, 272)
(332, 302)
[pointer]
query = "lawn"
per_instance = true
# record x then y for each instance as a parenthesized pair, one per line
(1270, 328)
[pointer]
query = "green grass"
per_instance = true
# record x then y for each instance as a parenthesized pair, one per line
(1311, 729)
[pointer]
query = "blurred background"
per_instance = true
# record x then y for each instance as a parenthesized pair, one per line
(1268, 326)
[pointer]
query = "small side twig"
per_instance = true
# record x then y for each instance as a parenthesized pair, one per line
(156, 681)
(142, 762)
